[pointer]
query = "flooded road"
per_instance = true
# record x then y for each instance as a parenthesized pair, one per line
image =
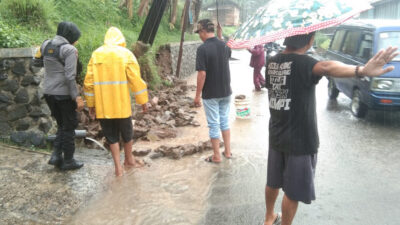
(357, 179)
(165, 193)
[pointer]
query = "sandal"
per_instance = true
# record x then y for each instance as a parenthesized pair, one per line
(278, 219)
(223, 153)
(210, 159)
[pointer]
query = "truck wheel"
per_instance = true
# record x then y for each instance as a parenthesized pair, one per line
(358, 108)
(333, 92)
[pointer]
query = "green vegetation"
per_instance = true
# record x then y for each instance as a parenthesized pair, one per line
(322, 40)
(31, 12)
(149, 69)
(11, 37)
(229, 31)
(26, 23)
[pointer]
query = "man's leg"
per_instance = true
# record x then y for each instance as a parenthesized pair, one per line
(226, 136)
(125, 127)
(270, 198)
(70, 123)
(224, 109)
(56, 158)
(299, 184)
(275, 169)
(130, 160)
(115, 154)
(211, 108)
(289, 208)
(111, 132)
(215, 145)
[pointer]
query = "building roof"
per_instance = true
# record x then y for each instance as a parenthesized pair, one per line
(222, 4)
(379, 2)
(374, 23)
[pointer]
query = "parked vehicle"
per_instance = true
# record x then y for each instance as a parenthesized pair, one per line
(355, 42)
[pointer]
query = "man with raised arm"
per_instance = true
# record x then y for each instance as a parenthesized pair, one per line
(291, 77)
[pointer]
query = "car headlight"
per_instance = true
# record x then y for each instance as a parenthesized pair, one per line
(382, 85)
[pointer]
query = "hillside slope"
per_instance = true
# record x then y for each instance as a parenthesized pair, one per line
(26, 23)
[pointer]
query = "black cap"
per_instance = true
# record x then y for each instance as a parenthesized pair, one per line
(206, 25)
(69, 31)
(298, 41)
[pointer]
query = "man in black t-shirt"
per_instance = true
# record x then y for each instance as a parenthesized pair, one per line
(213, 85)
(291, 78)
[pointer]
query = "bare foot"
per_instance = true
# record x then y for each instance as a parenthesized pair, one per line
(136, 163)
(119, 171)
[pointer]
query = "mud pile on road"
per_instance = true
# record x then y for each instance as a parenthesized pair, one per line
(175, 152)
(169, 108)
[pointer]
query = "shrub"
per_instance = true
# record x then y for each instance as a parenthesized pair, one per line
(322, 40)
(32, 12)
(10, 37)
(325, 44)
(149, 70)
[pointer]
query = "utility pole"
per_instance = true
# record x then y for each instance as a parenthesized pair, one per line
(153, 19)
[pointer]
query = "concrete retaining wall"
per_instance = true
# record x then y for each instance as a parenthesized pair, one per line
(24, 115)
(167, 58)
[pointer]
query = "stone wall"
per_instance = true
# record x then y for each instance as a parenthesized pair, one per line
(167, 59)
(24, 115)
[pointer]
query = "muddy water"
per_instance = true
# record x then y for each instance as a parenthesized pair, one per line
(185, 191)
(165, 193)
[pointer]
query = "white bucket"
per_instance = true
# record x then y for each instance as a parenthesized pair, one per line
(242, 108)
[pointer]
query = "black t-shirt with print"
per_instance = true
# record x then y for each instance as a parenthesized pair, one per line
(291, 91)
(213, 57)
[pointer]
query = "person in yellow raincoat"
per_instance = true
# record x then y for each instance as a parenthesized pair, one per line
(112, 72)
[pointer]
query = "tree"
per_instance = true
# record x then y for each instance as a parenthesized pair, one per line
(174, 10)
(196, 8)
(130, 8)
(143, 7)
(129, 5)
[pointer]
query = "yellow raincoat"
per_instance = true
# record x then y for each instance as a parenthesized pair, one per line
(111, 72)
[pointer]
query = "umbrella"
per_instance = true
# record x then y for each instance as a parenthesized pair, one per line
(279, 19)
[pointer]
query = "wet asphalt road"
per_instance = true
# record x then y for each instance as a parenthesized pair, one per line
(358, 170)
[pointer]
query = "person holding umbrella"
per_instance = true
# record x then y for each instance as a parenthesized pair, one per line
(293, 136)
(291, 77)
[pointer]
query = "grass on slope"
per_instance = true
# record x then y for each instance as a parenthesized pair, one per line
(93, 18)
